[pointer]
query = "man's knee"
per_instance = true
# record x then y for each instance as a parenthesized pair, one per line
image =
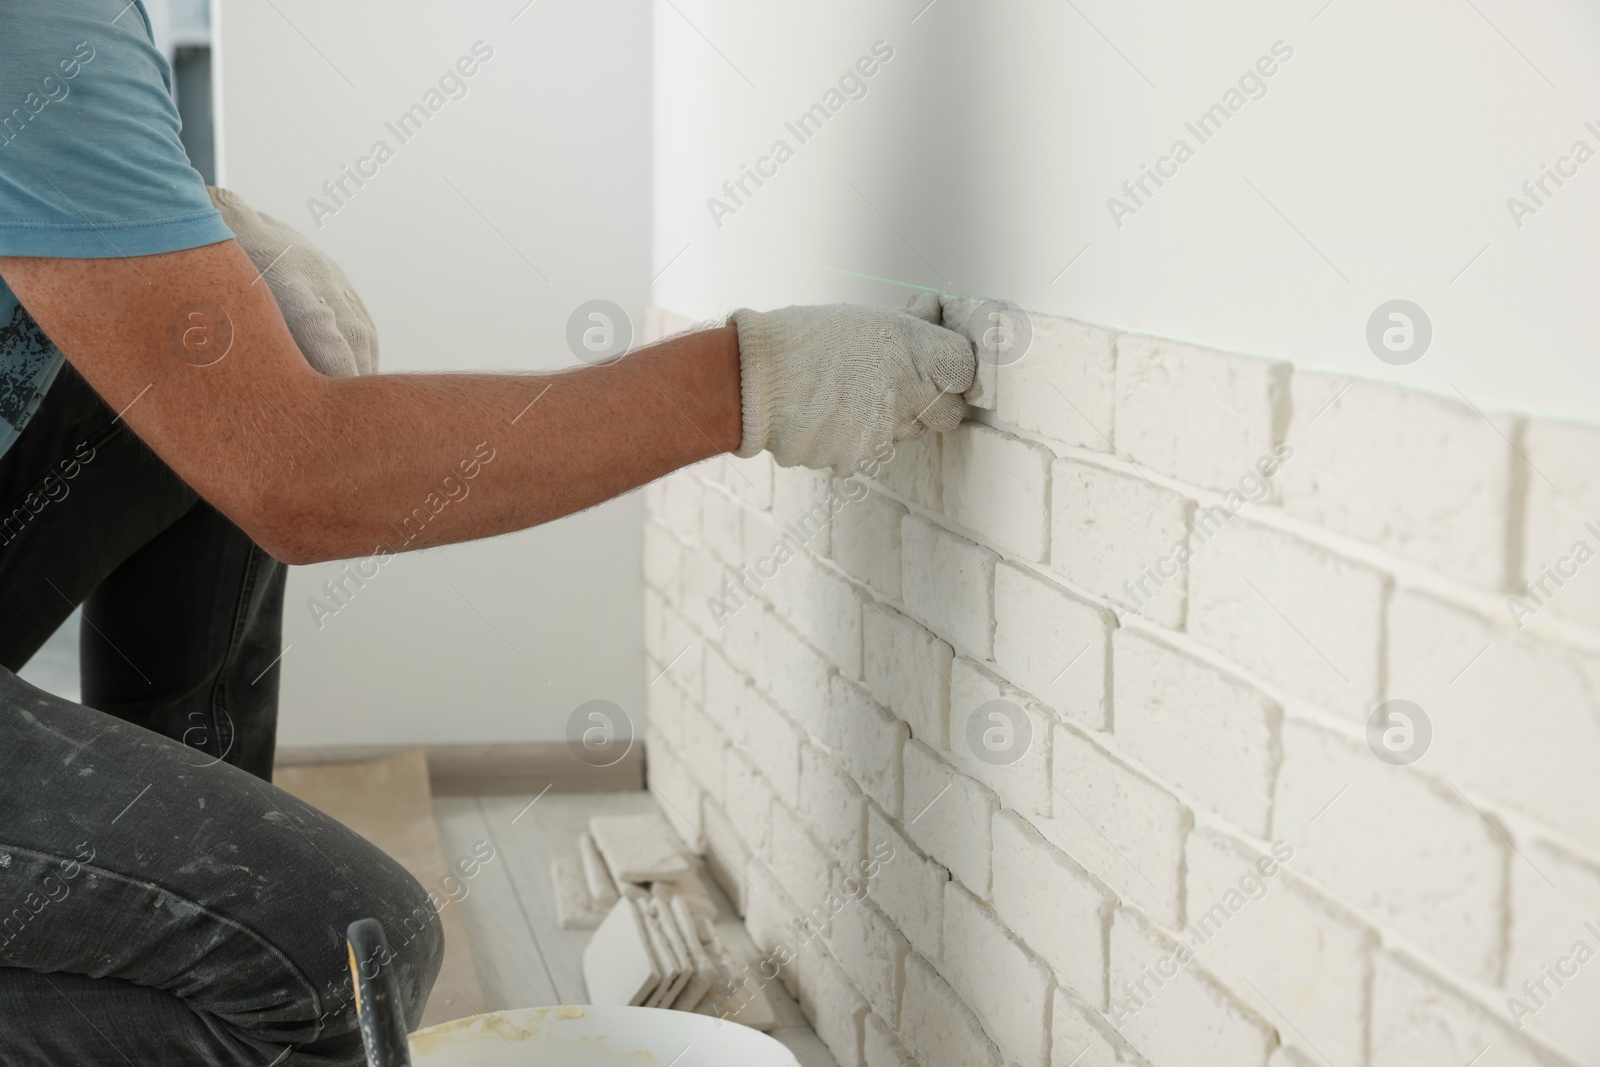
(413, 929)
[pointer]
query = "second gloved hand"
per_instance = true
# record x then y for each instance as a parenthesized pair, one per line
(329, 323)
(831, 386)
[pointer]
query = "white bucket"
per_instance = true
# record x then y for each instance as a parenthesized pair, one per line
(595, 1036)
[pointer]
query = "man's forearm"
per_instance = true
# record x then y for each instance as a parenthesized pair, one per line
(317, 468)
(401, 461)
(192, 351)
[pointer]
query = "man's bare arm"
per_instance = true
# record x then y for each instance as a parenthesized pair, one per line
(317, 468)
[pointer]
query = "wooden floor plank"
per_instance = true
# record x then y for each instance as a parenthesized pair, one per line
(511, 966)
(535, 832)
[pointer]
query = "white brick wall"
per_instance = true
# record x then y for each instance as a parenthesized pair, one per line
(1203, 729)
(1417, 1019)
(866, 740)
(1432, 483)
(823, 607)
(998, 485)
(1555, 906)
(832, 1004)
(1558, 732)
(1562, 504)
(909, 888)
(1163, 1001)
(866, 542)
(722, 527)
(883, 1046)
(1024, 781)
(937, 1025)
(1198, 691)
(1053, 905)
(832, 803)
(948, 584)
(769, 915)
(1052, 643)
(727, 856)
(1289, 1056)
(793, 673)
(675, 791)
(908, 671)
(948, 814)
(1196, 414)
(663, 559)
(913, 472)
(871, 952)
(800, 505)
(1080, 1037)
(1411, 851)
(773, 743)
(1298, 615)
(1125, 830)
(750, 479)
(1065, 386)
(798, 860)
(1007, 986)
(1114, 534)
(748, 802)
(681, 652)
(1283, 944)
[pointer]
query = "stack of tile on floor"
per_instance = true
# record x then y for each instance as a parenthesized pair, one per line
(655, 941)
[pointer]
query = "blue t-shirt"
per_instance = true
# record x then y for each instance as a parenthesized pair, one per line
(90, 163)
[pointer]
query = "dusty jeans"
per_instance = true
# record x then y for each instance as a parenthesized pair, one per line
(182, 611)
(160, 902)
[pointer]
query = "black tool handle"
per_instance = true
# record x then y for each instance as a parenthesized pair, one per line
(383, 1023)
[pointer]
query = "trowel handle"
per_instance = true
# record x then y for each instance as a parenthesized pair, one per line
(383, 1023)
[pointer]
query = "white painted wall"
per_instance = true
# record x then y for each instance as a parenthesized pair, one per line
(549, 154)
(981, 159)
(1377, 166)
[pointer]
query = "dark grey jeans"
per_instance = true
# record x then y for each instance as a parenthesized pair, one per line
(160, 901)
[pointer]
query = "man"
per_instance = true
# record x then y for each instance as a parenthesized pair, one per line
(167, 449)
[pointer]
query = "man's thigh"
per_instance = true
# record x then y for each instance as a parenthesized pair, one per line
(79, 495)
(182, 612)
(184, 638)
(125, 855)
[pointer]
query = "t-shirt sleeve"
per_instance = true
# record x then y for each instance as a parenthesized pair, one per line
(90, 160)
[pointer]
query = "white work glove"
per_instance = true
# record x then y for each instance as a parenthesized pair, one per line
(324, 313)
(831, 386)
(960, 314)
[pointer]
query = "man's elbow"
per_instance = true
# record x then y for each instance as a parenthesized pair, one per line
(280, 522)
(292, 551)
(287, 545)
(289, 500)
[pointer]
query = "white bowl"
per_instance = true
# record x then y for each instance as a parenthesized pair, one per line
(595, 1036)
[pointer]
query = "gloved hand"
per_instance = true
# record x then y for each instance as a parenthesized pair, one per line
(829, 386)
(960, 314)
(324, 313)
